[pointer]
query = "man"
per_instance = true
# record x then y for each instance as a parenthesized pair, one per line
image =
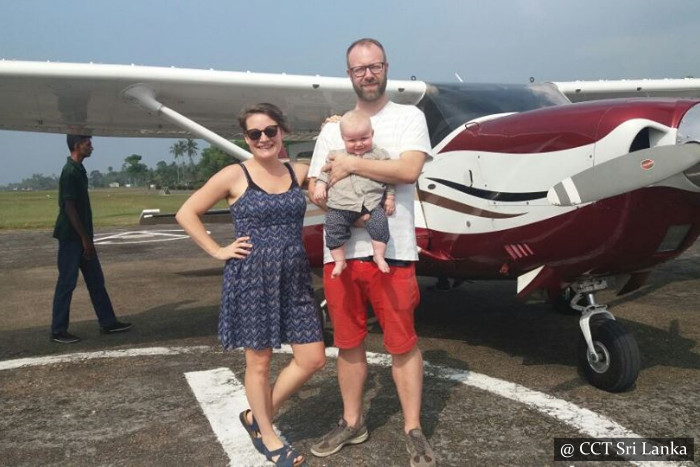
(402, 131)
(76, 250)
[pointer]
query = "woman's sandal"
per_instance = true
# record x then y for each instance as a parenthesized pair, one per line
(253, 431)
(287, 455)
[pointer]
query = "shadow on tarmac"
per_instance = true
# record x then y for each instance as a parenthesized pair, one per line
(492, 317)
(162, 325)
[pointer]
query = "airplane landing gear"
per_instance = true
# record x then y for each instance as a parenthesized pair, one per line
(561, 303)
(607, 353)
(614, 364)
(442, 284)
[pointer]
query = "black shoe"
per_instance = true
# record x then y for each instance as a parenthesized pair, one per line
(116, 326)
(64, 337)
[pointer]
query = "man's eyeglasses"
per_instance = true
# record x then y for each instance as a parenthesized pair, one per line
(374, 68)
(255, 134)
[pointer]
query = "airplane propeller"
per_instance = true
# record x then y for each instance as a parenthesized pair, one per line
(623, 174)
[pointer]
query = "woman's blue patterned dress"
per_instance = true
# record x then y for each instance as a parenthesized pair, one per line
(267, 298)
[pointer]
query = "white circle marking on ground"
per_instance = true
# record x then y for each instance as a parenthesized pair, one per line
(141, 236)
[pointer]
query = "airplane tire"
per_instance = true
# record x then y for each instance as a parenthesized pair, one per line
(619, 366)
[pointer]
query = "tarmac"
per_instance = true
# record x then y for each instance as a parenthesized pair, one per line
(501, 383)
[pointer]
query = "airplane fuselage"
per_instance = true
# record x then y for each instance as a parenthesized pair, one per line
(483, 213)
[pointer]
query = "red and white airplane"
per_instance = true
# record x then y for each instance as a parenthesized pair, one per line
(523, 183)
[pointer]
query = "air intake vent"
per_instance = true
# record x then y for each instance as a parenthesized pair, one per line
(518, 250)
(674, 238)
(641, 141)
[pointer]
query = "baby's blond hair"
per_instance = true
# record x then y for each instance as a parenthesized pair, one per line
(354, 118)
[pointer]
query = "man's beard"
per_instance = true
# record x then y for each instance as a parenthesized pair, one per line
(371, 96)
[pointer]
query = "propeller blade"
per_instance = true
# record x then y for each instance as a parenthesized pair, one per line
(625, 173)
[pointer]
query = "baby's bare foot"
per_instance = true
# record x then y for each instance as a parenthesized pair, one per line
(338, 268)
(381, 264)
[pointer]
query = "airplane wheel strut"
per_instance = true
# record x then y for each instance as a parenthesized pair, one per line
(616, 367)
(562, 303)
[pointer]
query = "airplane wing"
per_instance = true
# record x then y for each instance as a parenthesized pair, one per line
(141, 101)
(579, 91)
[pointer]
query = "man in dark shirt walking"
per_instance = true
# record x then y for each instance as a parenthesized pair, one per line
(76, 250)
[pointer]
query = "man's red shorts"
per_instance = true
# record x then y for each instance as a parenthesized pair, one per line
(394, 297)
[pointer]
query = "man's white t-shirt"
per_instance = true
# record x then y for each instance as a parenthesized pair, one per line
(397, 128)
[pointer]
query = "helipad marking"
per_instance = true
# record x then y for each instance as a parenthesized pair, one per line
(222, 398)
(584, 420)
(141, 236)
(78, 357)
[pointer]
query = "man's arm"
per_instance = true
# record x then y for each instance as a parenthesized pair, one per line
(74, 219)
(404, 170)
(414, 147)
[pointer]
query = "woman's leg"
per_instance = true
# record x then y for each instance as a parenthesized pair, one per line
(306, 360)
(265, 401)
(259, 393)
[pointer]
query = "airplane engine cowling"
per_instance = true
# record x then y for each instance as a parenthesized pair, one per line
(693, 174)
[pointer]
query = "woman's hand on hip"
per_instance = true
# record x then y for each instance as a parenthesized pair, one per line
(239, 249)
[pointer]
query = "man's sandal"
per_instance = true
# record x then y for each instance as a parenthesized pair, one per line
(287, 455)
(253, 431)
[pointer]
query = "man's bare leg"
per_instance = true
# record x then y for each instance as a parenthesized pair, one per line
(352, 373)
(407, 370)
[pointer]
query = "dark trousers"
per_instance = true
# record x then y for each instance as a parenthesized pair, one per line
(70, 260)
(339, 221)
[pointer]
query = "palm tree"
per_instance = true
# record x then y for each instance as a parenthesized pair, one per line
(178, 150)
(190, 148)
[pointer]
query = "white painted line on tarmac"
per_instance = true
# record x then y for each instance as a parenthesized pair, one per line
(584, 420)
(140, 236)
(222, 398)
(79, 357)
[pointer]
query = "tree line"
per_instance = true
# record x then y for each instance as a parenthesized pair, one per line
(188, 170)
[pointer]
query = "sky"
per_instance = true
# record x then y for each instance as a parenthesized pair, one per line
(504, 41)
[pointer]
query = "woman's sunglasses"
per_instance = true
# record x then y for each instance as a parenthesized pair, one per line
(255, 134)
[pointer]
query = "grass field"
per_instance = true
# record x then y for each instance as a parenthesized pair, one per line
(110, 206)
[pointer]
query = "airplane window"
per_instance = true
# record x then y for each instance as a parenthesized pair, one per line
(448, 106)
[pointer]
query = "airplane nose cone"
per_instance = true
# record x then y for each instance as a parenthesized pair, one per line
(689, 127)
(689, 132)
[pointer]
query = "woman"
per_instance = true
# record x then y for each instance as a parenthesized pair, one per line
(267, 298)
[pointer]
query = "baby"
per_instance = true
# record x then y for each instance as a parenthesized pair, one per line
(354, 196)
